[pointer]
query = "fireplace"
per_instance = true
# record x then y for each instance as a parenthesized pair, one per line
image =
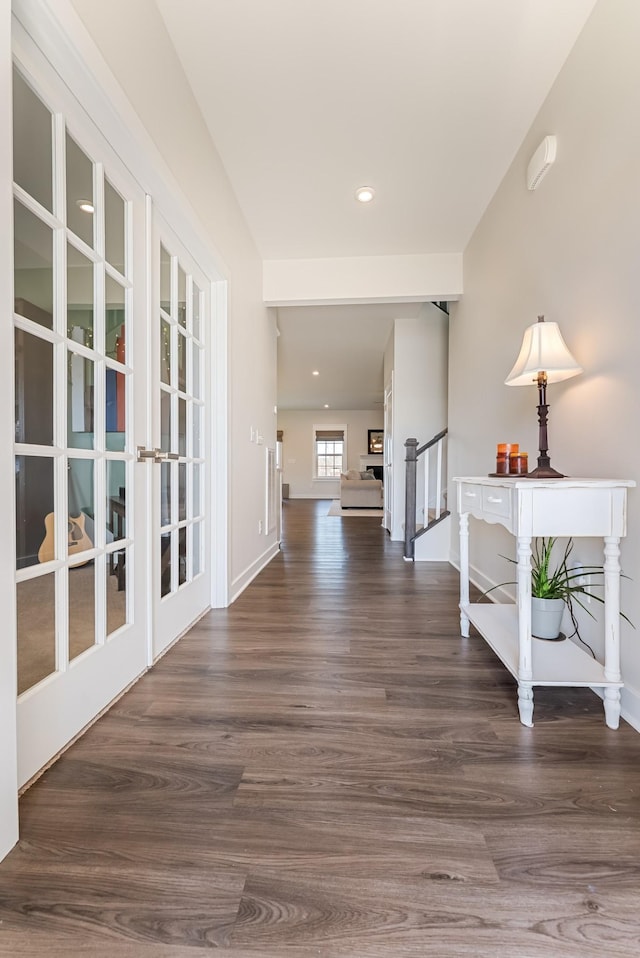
(374, 463)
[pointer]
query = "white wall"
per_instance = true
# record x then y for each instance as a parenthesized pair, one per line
(136, 46)
(8, 671)
(357, 279)
(297, 446)
(569, 250)
(419, 356)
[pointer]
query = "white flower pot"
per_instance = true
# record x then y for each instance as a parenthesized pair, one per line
(546, 618)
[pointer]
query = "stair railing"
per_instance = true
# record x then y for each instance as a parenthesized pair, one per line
(432, 490)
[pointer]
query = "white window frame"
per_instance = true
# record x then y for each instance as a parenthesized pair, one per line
(327, 427)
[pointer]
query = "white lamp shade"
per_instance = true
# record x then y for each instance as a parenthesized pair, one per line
(543, 350)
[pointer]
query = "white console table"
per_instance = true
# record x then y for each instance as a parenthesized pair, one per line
(550, 507)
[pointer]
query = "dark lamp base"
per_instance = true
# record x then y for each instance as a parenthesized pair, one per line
(544, 472)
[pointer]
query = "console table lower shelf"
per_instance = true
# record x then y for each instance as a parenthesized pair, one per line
(554, 663)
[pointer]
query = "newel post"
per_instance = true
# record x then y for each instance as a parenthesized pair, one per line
(411, 460)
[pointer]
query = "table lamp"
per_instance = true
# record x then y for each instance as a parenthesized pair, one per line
(543, 358)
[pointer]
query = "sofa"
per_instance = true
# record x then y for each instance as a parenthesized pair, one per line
(360, 490)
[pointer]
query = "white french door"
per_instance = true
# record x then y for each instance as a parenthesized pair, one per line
(113, 330)
(80, 402)
(181, 320)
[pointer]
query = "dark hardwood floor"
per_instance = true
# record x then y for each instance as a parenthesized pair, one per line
(328, 769)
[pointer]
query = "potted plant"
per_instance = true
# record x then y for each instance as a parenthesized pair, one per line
(554, 587)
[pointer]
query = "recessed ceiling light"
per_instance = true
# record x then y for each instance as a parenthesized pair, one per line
(315, 373)
(85, 205)
(365, 194)
(326, 405)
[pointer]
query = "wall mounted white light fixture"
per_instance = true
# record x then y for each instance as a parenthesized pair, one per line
(541, 162)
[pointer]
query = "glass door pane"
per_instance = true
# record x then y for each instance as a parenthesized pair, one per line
(33, 267)
(36, 606)
(80, 201)
(80, 297)
(82, 608)
(34, 389)
(32, 143)
(35, 528)
(114, 227)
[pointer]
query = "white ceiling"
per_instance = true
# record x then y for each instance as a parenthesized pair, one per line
(425, 100)
(345, 344)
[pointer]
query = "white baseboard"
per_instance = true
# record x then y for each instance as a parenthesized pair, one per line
(630, 711)
(483, 583)
(241, 582)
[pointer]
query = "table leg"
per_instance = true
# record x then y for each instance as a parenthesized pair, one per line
(523, 575)
(525, 703)
(525, 651)
(612, 629)
(464, 574)
(612, 706)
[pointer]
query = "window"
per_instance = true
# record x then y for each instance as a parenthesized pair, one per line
(329, 458)
(329, 452)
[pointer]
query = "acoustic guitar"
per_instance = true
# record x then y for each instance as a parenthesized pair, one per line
(77, 537)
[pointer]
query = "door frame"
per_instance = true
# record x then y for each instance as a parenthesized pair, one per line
(8, 645)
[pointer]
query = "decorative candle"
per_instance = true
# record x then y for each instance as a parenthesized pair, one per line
(518, 463)
(505, 451)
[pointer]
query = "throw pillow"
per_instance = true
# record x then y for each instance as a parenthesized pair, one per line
(367, 475)
(353, 474)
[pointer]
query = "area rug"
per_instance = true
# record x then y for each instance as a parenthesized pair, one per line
(336, 510)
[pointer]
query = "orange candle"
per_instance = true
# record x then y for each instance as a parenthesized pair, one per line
(504, 453)
(519, 464)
